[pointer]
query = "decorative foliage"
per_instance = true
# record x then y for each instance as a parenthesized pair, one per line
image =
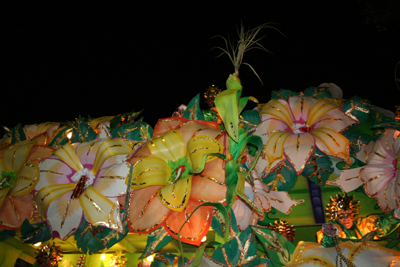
(48, 256)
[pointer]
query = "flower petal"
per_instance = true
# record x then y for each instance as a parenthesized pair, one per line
(112, 181)
(47, 194)
(194, 128)
(209, 185)
(176, 196)
(53, 171)
(281, 201)
(243, 214)
(270, 126)
(273, 150)
(168, 124)
(201, 145)
(300, 107)
(387, 198)
(376, 177)
(335, 120)
(277, 108)
(169, 146)
(337, 144)
(298, 148)
(15, 156)
(67, 154)
(348, 180)
(322, 106)
(150, 171)
(38, 153)
(26, 180)
(146, 212)
(64, 216)
(383, 152)
(100, 210)
(195, 228)
(15, 210)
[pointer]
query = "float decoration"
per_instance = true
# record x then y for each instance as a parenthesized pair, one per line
(160, 237)
(34, 233)
(117, 260)
(126, 118)
(193, 111)
(48, 255)
(135, 131)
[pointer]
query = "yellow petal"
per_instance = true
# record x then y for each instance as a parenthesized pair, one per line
(26, 180)
(337, 144)
(68, 155)
(99, 209)
(15, 156)
(150, 171)
(169, 146)
(322, 106)
(273, 150)
(107, 149)
(47, 194)
(200, 145)
(176, 196)
(278, 109)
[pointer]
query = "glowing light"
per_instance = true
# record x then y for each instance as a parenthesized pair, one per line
(150, 258)
(69, 135)
(204, 239)
(37, 244)
(103, 257)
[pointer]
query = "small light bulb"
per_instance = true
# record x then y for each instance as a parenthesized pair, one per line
(37, 244)
(103, 257)
(204, 239)
(69, 135)
(150, 258)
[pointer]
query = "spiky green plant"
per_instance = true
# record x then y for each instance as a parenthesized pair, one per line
(247, 41)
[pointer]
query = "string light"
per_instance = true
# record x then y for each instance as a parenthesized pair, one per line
(103, 257)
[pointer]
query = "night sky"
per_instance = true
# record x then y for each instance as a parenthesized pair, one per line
(62, 60)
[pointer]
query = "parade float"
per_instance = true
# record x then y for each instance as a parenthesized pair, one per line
(212, 185)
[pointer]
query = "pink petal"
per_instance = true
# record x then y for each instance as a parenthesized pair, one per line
(15, 210)
(376, 177)
(146, 212)
(298, 148)
(335, 120)
(348, 180)
(300, 107)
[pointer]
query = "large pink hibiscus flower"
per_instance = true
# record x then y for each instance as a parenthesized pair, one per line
(292, 129)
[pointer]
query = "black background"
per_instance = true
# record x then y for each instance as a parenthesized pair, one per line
(63, 59)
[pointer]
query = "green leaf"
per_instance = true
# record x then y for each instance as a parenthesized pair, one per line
(60, 139)
(357, 138)
(240, 192)
(6, 234)
(277, 247)
(251, 118)
(283, 178)
(239, 251)
(155, 241)
(92, 241)
(193, 111)
(82, 132)
(226, 104)
(357, 107)
(318, 168)
(283, 94)
(125, 118)
(318, 92)
(33, 233)
(134, 131)
(17, 134)
(218, 223)
(200, 252)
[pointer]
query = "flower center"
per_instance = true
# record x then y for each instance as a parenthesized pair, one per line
(83, 178)
(179, 169)
(301, 128)
(7, 179)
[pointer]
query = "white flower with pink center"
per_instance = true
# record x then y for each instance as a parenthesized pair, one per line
(83, 181)
(380, 176)
(292, 129)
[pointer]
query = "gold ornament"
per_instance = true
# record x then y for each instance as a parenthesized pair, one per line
(117, 260)
(210, 95)
(342, 203)
(49, 255)
(283, 228)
